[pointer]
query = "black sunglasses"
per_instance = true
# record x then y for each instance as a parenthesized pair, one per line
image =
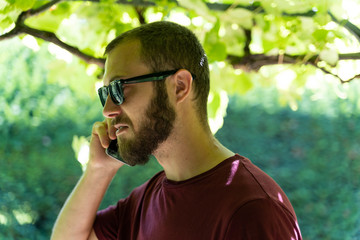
(115, 88)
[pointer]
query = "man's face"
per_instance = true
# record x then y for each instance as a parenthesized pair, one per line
(146, 117)
(155, 128)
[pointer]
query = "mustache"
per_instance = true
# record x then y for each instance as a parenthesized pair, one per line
(121, 120)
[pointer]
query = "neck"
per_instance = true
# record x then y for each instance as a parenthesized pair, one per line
(189, 151)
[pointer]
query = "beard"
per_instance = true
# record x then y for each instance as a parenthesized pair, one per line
(154, 129)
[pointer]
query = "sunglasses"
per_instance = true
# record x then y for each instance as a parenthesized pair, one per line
(115, 88)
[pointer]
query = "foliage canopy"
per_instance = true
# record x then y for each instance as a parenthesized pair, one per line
(286, 42)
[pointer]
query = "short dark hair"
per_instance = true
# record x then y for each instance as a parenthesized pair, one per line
(167, 46)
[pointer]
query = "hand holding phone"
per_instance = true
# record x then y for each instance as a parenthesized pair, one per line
(113, 152)
(102, 138)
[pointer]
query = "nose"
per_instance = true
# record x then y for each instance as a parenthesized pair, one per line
(111, 110)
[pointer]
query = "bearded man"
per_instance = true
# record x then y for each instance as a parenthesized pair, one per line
(156, 86)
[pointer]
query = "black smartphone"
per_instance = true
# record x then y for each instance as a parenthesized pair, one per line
(112, 151)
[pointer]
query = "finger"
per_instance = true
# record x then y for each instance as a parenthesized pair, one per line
(111, 129)
(100, 130)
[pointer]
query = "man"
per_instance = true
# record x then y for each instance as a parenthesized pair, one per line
(155, 92)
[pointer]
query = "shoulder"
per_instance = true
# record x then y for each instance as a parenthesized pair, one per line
(263, 219)
(250, 183)
(260, 208)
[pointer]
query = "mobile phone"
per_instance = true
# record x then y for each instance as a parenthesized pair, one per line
(113, 152)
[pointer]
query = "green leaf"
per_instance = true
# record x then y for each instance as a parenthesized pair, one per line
(239, 16)
(46, 21)
(268, 45)
(10, 1)
(8, 15)
(322, 18)
(213, 104)
(3, 4)
(234, 40)
(320, 34)
(330, 56)
(72, 75)
(199, 7)
(212, 36)
(214, 48)
(23, 4)
(62, 8)
(217, 105)
(242, 83)
(5, 23)
(217, 52)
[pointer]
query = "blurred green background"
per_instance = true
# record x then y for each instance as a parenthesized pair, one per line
(276, 70)
(313, 153)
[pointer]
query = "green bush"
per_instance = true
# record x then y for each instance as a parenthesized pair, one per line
(38, 119)
(315, 158)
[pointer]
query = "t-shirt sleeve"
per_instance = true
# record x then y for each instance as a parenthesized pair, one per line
(263, 219)
(106, 223)
(120, 221)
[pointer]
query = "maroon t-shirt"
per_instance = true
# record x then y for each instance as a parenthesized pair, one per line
(234, 200)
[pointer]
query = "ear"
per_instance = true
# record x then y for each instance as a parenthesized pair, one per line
(183, 83)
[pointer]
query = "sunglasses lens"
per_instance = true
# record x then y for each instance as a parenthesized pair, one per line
(103, 94)
(116, 92)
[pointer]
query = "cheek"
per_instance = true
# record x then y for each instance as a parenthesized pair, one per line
(138, 98)
(139, 94)
(138, 114)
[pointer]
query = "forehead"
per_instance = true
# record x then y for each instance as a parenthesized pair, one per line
(124, 62)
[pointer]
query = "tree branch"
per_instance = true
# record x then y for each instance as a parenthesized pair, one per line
(20, 21)
(247, 42)
(248, 62)
(138, 3)
(255, 6)
(348, 25)
(13, 33)
(33, 12)
(51, 37)
(20, 28)
(140, 13)
(256, 61)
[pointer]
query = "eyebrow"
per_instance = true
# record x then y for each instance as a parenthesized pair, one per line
(122, 77)
(114, 78)
(153, 76)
